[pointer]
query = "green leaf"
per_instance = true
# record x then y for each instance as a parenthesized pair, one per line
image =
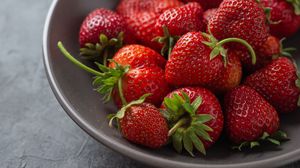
(197, 142)
(177, 140)
(214, 53)
(264, 136)
(280, 135)
(274, 141)
(203, 118)
(170, 104)
(189, 108)
(202, 133)
(187, 142)
(186, 97)
(254, 144)
(196, 104)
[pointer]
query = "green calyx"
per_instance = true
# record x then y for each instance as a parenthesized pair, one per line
(104, 81)
(286, 52)
(189, 129)
(121, 113)
(102, 50)
(297, 82)
(218, 47)
(267, 11)
(275, 139)
(296, 5)
(168, 42)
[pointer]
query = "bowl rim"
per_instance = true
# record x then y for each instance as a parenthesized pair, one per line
(125, 150)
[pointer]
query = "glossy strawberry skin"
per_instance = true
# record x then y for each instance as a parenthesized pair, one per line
(241, 19)
(101, 21)
(141, 16)
(282, 12)
(140, 81)
(190, 63)
(210, 105)
(138, 56)
(206, 4)
(208, 15)
(230, 77)
(144, 125)
(264, 54)
(276, 82)
(248, 115)
(181, 20)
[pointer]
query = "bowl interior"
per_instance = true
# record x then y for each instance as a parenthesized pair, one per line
(73, 88)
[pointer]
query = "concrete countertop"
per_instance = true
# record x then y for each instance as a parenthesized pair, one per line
(35, 132)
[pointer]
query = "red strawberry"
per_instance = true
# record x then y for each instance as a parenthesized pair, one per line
(230, 77)
(196, 118)
(141, 16)
(241, 19)
(128, 84)
(143, 124)
(138, 56)
(207, 4)
(278, 83)
(250, 118)
(271, 48)
(286, 16)
(197, 59)
(110, 26)
(137, 82)
(208, 15)
(177, 22)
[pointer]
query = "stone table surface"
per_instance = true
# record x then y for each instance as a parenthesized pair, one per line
(35, 132)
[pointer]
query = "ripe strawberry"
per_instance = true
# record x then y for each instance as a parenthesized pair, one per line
(128, 84)
(197, 59)
(101, 31)
(230, 77)
(207, 4)
(271, 48)
(141, 17)
(241, 19)
(208, 15)
(250, 118)
(137, 82)
(278, 83)
(177, 22)
(196, 118)
(137, 56)
(286, 16)
(143, 124)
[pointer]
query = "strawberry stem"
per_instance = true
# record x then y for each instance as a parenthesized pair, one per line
(243, 42)
(120, 89)
(75, 61)
(179, 124)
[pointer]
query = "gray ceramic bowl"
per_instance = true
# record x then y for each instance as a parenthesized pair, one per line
(73, 89)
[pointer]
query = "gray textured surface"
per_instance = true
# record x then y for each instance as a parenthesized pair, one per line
(34, 130)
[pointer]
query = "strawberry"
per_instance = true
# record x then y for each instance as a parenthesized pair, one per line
(142, 123)
(197, 59)
(284, 16)
(177, 22)
(207, 4)
(250, 118)
(137, 82)
(230, 77)
(241, 19)
(141, 17)
(101, 31)
(196, 118)
(208, 15)
(278, 83)
(138, 56)
(124, 83)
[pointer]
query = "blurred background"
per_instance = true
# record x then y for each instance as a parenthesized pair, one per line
(35, 132)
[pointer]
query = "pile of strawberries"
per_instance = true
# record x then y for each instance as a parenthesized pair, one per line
(181, 71)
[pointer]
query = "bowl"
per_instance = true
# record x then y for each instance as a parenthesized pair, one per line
(74, 91)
